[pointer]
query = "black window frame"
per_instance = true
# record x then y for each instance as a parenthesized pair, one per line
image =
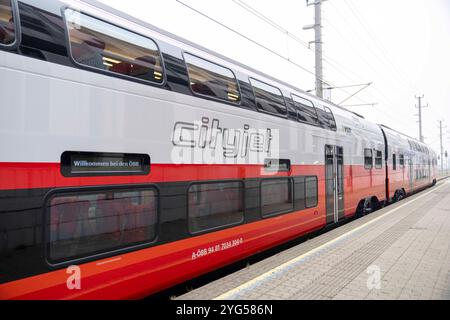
(378, 156)
(285, 115)
(281, 212)
(194, 93)
(241, 182)
(107, 72)
(331, 118)
(401, 160)
(394, 161)
(371, 161)
(104, 253)
(317, 192)
(324, 115)
(312, 106)
(17, 28)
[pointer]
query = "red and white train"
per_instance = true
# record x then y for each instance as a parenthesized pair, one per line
(132, 160)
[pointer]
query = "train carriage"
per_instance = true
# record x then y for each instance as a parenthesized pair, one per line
(139, 160)
(410, 164)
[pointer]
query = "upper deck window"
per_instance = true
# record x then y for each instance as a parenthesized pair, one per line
(305, 110)
(268, 98)
(330, 118)
(7, 24)
(368, 158)
(210, 79)
(326, 118)
(101, 45)
(378, 159)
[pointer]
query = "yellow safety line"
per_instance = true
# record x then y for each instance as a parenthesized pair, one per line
(254, 281)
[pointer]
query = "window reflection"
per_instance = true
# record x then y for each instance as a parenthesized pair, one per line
(103, 46)
(89, 223)
(7, 27)
(268, 98)
(213, 205)
(212, 80)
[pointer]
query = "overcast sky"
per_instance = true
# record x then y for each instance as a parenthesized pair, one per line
(402, 46)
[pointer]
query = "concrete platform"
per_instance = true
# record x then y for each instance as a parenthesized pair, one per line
(399, 252)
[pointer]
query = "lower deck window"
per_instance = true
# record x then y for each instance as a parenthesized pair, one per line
(88, 223)
(311, 192)
(215, 205)
(276, 196)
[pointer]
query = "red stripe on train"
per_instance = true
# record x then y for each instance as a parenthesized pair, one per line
(138, 274)
(48, 175)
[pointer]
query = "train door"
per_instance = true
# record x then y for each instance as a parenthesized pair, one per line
(334, 183)
(411, 175)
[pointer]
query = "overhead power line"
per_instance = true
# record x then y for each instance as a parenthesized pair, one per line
(254, 42)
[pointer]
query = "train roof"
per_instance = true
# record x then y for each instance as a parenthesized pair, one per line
(145, 24)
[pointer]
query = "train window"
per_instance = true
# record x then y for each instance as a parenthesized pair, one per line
(402, 160)
(89, 223)
(394, 161)
(326, 118)
(330, 118)
(299, 192)
(311, 192)
(7, 24)
(379, 160)
(215, 205)
(368, 159)
(268, 98)
(276, 196)
(212, 80)
(305, 110)
(103, 46)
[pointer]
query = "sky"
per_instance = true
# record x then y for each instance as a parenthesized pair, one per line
(402, 47)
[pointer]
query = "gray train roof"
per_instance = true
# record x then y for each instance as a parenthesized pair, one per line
(126, 16)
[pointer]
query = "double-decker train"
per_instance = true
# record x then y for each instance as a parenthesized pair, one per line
(132, 160)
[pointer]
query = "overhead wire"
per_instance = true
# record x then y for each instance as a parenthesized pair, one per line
(269, 49)
(256, 43)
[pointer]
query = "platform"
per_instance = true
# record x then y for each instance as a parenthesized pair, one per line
(399, 252)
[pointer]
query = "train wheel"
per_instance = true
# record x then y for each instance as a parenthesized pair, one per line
(367, 207)
(398, 195)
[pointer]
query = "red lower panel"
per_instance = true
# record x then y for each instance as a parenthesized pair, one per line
(138, 274)
(146, 271)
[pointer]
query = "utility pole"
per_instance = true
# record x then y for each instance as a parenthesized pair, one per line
(420, 116)
(317, 26)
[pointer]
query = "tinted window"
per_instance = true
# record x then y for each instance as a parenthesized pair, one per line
(212, 80)
(402, 160)
(394, 161)
(305, 110)
(330, 117)
(88, 223)
(311, 191)
(214, 205)
(323, 117)
(268, 98)
(276, 196)
(7, 27)
(103, 46)
(299, 192)
(368, 159)
(379, 160)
